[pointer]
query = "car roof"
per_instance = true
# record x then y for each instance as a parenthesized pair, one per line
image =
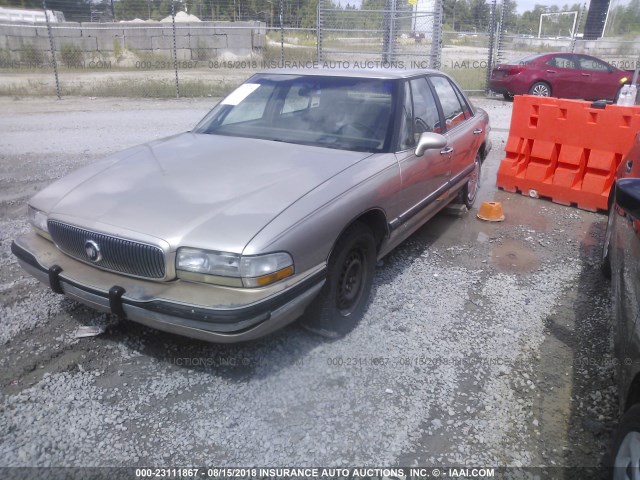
(381, 73)
(565, 54)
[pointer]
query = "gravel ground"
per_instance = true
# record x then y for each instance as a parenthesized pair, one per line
(483, 344)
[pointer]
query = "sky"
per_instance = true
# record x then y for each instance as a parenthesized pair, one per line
(524, 5)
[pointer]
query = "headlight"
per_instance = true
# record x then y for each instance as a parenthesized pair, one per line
(232, 269)
(38, 220)
(210, 263)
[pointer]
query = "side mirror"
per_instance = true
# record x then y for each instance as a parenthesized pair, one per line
(628, 196)
(428, 141)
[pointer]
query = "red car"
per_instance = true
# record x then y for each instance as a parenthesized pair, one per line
(563, 75)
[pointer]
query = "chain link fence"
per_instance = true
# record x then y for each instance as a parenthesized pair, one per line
(170, 48)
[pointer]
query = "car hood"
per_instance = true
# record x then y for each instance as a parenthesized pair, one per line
(197, 190)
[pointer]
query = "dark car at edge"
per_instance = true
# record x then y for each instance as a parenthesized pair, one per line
(621, 261)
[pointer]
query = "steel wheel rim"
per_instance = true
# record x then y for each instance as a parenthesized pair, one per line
(541, 90)
(474, 182)
(627, 461)
(351, 282)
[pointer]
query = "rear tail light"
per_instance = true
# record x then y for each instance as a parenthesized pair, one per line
(514, 70)
(506, 70)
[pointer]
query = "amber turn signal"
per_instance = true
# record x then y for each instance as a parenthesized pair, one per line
(274, 277)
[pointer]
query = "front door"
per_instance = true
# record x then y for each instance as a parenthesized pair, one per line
(423, 177)
(602, 83)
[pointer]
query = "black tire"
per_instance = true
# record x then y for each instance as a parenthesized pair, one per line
(540, 89)
(341, 303)
(605, 258)
(621, 461)
(508, 97)
(470, 190)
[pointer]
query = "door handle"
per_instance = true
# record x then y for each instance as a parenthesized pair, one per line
(551, 71)
(585, 74)
(446, 151)
(629, 165)
(477, 131)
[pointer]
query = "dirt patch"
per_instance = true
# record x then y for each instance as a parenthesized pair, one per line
(514, 256)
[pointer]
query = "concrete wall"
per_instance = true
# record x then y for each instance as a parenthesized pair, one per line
(605, 46)
(194, 41)
(602, 46)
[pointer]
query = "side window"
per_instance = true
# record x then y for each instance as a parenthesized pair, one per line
(587, 63)
(466, 110)
(451, 107)
(425, 111)
(407, 139)
(250, 108)
(562, 62)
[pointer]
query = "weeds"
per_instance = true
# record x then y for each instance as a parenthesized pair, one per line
(117, 49)
(469, 79)
(271, 53)
(31, 56)
(71, 55)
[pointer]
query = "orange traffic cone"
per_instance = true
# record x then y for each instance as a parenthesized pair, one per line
(491, 212)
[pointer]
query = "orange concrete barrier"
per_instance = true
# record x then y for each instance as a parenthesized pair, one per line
(566, 150)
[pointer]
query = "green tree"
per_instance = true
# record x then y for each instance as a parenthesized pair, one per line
(130, 9)
(629, 20)
(480, 12)
(510, 18)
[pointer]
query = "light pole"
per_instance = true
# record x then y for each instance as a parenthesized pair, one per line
(270, 2)
(453, 23)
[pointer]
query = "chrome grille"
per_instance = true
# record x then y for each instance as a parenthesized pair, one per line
(118, 255)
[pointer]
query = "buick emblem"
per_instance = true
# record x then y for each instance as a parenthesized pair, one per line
(93, 251)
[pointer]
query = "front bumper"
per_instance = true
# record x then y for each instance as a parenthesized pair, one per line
(206, 312)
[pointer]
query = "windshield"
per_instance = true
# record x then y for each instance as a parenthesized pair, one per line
(334, 112)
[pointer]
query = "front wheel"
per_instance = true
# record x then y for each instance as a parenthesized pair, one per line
(341, 303)
(540, 89)
(470, 190)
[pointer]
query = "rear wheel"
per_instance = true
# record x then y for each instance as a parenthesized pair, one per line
(508, 97)
(341, 303)
(540, 89)
(470, 190)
